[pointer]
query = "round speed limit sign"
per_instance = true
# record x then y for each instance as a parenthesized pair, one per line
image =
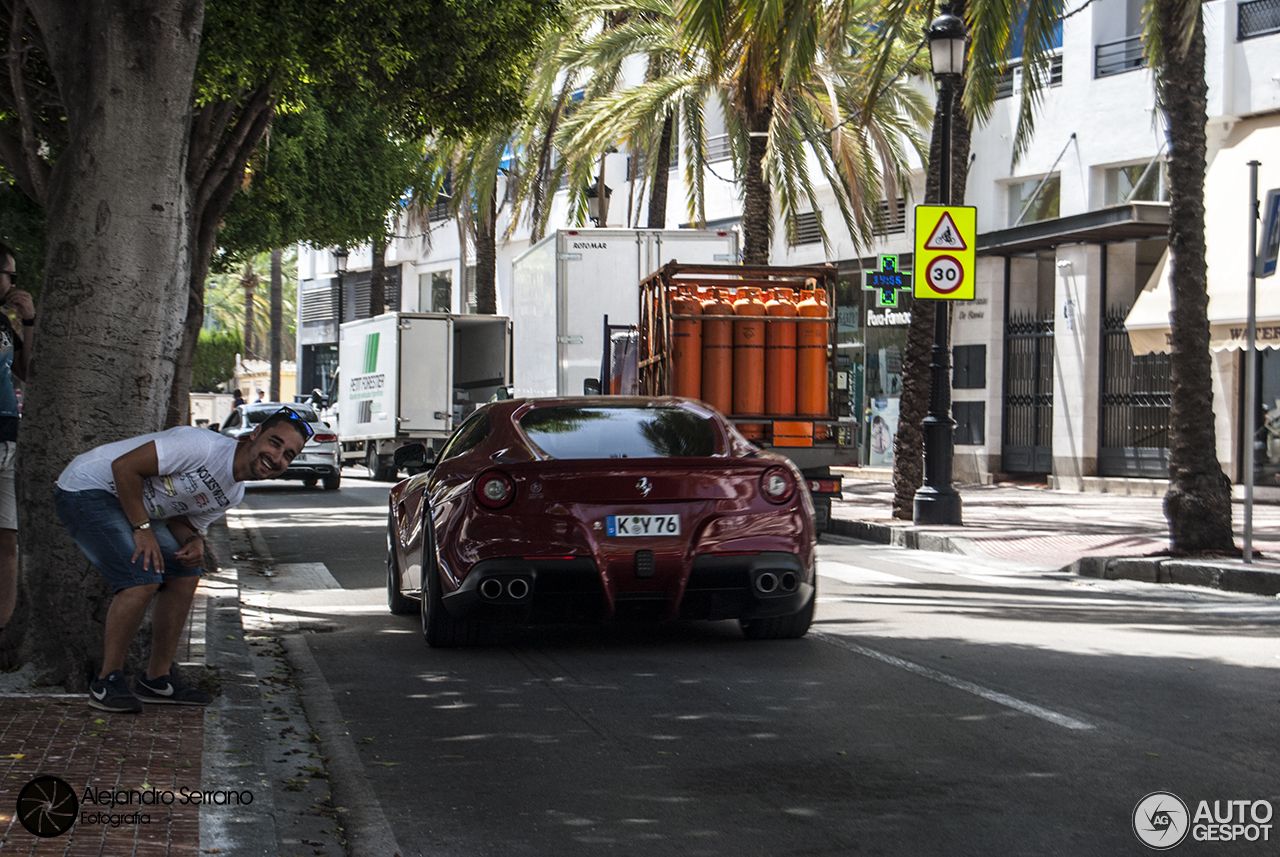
(945, 274)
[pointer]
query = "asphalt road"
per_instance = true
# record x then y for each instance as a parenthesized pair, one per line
(942, 705)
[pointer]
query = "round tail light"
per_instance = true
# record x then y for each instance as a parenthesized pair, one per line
(494, 490)
(777, 485)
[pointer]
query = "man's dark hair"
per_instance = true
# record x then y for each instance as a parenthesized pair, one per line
(5, 250)
(299, 425)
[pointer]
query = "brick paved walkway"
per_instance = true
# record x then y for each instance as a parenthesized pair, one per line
(63, 737)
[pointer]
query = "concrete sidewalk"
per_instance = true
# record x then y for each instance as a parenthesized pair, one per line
(1099, 535)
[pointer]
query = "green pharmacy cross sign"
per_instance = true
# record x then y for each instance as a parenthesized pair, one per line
(886, 280)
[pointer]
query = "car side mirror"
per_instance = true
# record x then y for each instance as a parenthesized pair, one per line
(412, 456)
(591, 386)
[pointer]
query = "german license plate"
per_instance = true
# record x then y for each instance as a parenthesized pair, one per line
(643, 525)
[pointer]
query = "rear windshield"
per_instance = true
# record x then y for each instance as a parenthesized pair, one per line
(258, 415)
(602, 432)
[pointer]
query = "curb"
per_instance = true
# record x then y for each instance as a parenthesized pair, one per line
(1224, 575)
(233, 733)
(1227, 576)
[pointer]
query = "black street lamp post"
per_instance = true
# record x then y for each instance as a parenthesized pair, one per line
(340, 266)
(937, 501)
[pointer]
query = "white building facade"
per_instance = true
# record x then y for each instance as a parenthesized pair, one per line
(1071, 266)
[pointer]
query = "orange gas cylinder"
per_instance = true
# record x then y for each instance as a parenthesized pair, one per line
(748, 359)
(717, 353)
(686, 345)
(780, 355)
(811, 355)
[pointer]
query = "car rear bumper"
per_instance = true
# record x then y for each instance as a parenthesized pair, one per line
(307, 471)
(718, 586)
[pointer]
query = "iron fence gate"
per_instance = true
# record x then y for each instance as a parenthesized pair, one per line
(1133, 413)
(1027, 439)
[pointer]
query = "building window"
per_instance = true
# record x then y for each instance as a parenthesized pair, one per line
(1118, 57)
(1257, 18)
(969, 367)
(469, 289)
(435, 292)
(1148, 182)
(807, 229)
(971, 423)
(1026, 205)
(719, 148)
(440, 211)
(886, 225)
(1010, 82)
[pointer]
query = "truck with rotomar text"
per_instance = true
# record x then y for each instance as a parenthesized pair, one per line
(414, 376)
(758, 344)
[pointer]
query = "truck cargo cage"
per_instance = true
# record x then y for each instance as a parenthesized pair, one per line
(657, 318)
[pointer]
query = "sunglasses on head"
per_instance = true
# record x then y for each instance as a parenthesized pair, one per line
(294, 415)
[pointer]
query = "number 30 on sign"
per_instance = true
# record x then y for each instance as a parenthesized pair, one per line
(944, 252)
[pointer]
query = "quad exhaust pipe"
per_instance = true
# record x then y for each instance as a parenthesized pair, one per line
(767, 583)
(517, 588)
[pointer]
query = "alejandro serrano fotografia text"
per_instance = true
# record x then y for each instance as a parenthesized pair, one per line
(113, 798)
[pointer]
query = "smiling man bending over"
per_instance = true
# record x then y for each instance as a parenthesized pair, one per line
(137, 509)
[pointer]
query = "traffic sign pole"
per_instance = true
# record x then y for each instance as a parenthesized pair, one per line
(1251, 364)
(937, 502)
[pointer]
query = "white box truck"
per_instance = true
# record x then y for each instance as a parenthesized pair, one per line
(414, 376)
(564, 286)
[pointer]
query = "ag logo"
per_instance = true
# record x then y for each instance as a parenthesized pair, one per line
(1160, 820)
(47, 806)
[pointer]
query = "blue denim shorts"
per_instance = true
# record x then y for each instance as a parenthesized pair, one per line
(98, 525)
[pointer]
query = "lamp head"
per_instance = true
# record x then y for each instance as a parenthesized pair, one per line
(946, 34)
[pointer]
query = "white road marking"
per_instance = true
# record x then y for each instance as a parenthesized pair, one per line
(958, 683)
(859, 576)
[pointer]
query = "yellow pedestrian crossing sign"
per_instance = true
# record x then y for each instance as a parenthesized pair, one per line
(944, 252)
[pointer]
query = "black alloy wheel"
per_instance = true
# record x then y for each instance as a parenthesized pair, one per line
(439, 629)
(791, 627)
(397, 602)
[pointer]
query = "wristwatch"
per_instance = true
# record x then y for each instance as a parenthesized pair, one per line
(29, 322)
(145, 525)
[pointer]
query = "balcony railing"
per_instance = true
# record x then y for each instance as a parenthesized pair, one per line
(719, 148)
(1011, 80)
(1257, 18)
(1118, 57)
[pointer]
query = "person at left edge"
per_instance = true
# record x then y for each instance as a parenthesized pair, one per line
(15, 351)
(136, 508)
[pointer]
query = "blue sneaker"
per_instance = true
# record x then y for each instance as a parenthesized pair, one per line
(112, 694)
(170, 690)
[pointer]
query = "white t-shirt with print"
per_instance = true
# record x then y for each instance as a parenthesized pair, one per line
(195, 474)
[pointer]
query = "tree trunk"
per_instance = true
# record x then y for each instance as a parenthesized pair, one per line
(378, 278)
(661, 173)
(487, 256)
(908, 443)
(757, 200)
(1198, 504)
(277, 321)
(114, 293)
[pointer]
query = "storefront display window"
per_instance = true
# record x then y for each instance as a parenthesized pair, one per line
(1267, 435)
(881, 340)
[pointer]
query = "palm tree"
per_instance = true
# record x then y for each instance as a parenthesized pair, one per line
(792, 78)
(1198, 503)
